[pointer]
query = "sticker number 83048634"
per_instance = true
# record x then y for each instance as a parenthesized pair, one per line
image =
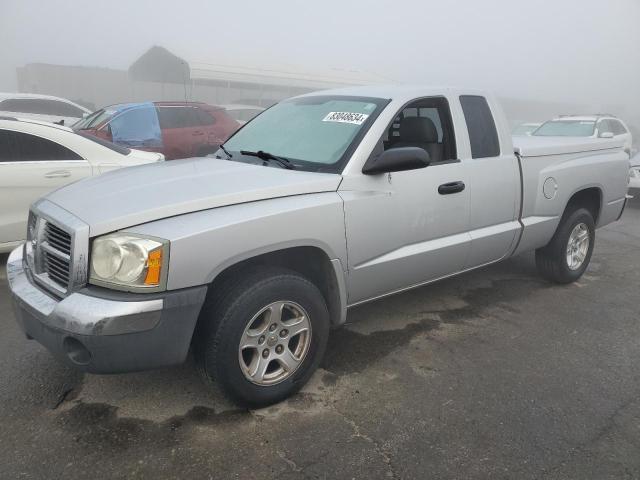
(346, 117)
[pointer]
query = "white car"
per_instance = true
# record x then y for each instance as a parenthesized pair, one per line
(594, 126)
(634, 171)
(37, 157)
(242, 113)
(41, 107)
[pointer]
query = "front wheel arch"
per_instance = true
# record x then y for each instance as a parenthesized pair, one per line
(311, 262)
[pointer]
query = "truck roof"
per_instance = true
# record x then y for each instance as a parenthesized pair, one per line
(398, 92)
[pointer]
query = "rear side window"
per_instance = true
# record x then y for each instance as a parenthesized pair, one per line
(183, 117)
(23, 147)
(172, 117)
(204, 117)
(618, 128)
(481, 125)
(6, 147)
(40, 106)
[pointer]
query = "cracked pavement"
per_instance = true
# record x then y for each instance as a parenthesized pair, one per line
(491, 374)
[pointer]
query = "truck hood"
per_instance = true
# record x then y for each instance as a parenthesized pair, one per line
(141, 194)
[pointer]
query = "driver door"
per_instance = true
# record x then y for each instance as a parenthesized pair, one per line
(408, 228)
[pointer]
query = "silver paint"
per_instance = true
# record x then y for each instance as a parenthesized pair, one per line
(382, 233)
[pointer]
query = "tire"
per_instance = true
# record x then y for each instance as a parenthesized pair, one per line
(552, 260)
(234, 315)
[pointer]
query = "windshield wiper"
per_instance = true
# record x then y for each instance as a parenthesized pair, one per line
(225, 151)
(266, 156)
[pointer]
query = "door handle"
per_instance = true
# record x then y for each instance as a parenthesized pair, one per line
(58, 174)
(198, 133)
(451, 187)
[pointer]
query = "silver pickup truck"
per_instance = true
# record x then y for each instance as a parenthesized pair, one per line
(322, 202)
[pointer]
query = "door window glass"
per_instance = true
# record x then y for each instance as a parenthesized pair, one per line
(426, 124)
(137, 127)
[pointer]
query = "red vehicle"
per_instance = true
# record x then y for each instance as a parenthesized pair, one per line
(176, 129)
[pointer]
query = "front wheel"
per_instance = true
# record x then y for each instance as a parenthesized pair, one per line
(263, 336)
(567, 255)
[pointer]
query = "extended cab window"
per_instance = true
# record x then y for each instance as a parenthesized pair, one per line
(483, 135)
(426, 124)
(23, 147)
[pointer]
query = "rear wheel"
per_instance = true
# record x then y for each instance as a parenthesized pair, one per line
(263, 336)
(565, 258)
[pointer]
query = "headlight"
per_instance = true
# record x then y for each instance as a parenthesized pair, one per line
(129, 262)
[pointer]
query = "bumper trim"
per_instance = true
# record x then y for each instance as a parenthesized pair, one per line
(123, 333)
(79, 313)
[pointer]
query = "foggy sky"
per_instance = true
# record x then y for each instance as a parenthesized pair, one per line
(577, 51)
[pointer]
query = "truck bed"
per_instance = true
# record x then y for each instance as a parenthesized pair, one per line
(543, 146)
(554, 168)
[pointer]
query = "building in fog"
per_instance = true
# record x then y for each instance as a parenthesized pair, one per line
(161, 75)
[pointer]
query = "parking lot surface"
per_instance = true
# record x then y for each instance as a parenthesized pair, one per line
(492, 374)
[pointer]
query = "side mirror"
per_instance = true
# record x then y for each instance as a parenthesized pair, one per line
(85, 114)
(606, 135)
(397, 160)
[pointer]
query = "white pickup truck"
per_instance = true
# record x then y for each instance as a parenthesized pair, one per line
(318, 204)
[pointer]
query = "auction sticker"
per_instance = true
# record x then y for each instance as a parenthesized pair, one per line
(346, 117)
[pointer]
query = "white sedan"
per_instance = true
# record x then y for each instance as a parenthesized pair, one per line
(37, 157)
(44, 108)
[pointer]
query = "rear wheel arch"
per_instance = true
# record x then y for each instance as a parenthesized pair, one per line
(589, 198)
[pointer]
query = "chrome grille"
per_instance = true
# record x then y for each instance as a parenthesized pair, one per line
(57, 238)
(57, 248)
(55, 251)
(57, 269)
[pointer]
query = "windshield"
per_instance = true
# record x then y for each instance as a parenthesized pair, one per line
(93, 120)
(524, 129)
(112, 146)
(566, 128)
(315, 133)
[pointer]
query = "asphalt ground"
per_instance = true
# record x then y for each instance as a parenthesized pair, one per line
(491, 374)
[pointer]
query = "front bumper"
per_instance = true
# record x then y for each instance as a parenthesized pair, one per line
(102, 331)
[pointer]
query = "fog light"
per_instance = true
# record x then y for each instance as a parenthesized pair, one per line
(76, 351)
